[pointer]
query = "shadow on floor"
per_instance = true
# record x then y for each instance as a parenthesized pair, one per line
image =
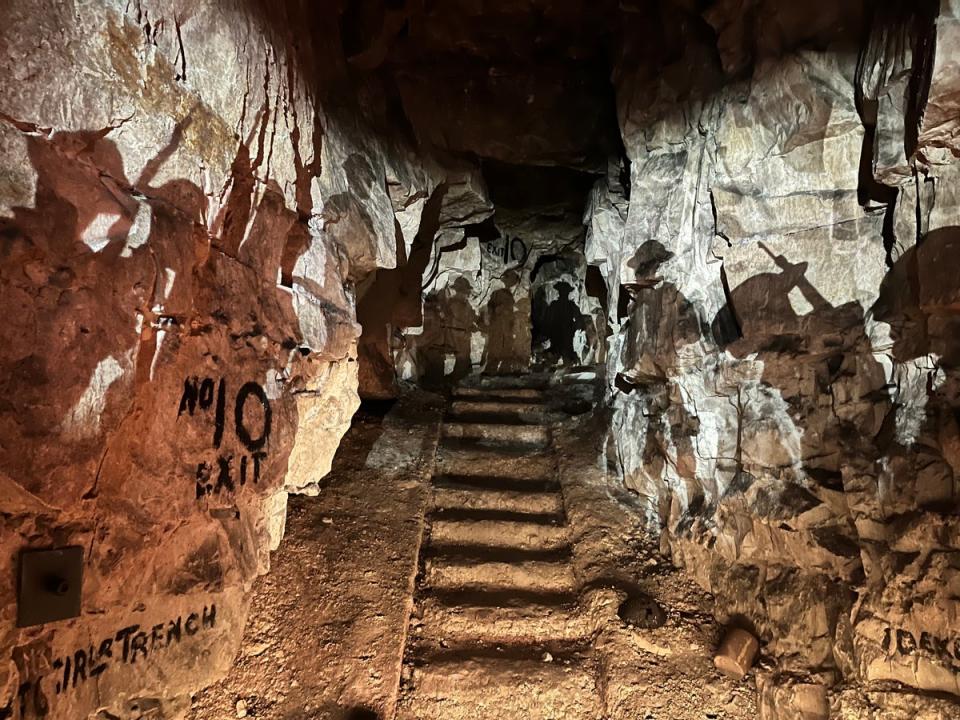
(333, 712)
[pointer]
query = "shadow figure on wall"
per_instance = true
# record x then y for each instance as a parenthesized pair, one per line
(499, 356)
(807, 345)
(555, 325)
(449, 322)
(819, 358)
(96, 244)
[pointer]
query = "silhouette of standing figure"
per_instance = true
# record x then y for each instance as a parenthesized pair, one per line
(558, 323)
(563, 321)
(498, 354)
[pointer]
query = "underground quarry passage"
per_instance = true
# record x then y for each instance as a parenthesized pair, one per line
(480, 360)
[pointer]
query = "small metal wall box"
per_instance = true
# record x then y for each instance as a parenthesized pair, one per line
(49, 585)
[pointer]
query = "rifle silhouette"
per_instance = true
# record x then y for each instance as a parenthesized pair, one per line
(798, 273)
(781, 261)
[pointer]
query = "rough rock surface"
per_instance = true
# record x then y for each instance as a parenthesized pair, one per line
(220, 220)
(184, 226)
(508, 294)
(783, 371)
(328, 623)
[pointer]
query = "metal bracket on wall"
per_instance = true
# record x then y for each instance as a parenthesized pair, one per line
(49, 585)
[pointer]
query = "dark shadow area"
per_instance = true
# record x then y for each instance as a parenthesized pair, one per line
(449, 321)
(393, 301)
(361, 714)
(596, 287)
(497, 324)
(528, 186)
(334, 712)
(642, 611)
(372, 409)
(920, 299)
(555, 324)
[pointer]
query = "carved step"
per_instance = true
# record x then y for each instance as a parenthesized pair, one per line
(480, 624)
(485, 482)
(496, 411)
(492, 689)
(501, 434)
(499, 534)
(505, 394)
(535, 503)
(495, 463)
(540, 576)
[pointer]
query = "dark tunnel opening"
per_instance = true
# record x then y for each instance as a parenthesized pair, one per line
(461, 360)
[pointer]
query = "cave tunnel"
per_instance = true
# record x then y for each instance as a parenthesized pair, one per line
(487, 359)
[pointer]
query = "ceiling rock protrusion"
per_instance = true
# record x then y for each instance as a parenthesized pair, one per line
(939, 136)
(520, 82)
(751, 31)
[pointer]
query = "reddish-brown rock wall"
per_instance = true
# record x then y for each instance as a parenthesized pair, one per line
(182, 226)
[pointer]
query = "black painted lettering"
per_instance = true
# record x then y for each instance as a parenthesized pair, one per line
(57, 664)
(209, 617)
(885, 645)
(188, 401)
(79, 666)
(96, 663)
(173, 631)
(243, 470)
(138, 644)
(83, 664)
(940, 649)
(223, 477)
(956, 649)
(156, 634)
(191, 626)
(926, 643)
(257, 457)
(221, 410)
(125, 636)
(206, 393)
(204, 486)
(243, 433)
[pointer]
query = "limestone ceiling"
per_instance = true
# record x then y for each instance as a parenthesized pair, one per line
(529, 81)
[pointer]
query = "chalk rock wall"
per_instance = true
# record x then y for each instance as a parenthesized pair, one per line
(397, 299)
(183, 226)
(515, 98)
(784, 375)
(503, 297)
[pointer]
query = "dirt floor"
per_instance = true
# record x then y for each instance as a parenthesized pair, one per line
(653, 673)
(328, 629)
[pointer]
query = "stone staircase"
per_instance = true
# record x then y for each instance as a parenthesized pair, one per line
(497, 630)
